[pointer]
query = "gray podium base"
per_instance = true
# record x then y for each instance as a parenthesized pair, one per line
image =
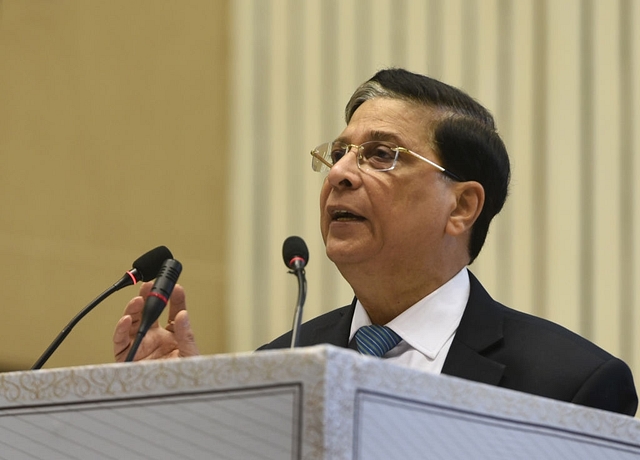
(312, 403)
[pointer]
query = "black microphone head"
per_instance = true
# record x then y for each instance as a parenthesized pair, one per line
(294, 248)
(148, 265)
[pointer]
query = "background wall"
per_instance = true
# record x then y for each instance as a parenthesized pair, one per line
(113, 140)
(128, 124)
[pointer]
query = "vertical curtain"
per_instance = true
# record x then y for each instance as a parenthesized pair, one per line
(562, 78)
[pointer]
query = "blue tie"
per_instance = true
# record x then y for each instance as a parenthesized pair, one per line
(376, 340)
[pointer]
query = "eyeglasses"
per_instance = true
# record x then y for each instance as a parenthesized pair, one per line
(370, 156)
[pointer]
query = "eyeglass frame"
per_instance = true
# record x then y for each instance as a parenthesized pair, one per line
(397, 149)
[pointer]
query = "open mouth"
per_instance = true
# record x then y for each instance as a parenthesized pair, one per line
(345, 216)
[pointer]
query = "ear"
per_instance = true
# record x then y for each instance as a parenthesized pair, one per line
(469, 203)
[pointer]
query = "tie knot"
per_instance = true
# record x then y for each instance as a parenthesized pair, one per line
(376, 340)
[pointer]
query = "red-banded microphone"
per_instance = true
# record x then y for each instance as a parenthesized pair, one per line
(156, 300)
(296, 257)
(145, 268)
(295, 253)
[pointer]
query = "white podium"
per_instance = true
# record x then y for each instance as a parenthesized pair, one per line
(310, 403)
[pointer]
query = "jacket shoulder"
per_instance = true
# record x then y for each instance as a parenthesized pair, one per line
(544, 358)
(329, 328)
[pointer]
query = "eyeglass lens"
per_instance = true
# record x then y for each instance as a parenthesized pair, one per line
(370, 155)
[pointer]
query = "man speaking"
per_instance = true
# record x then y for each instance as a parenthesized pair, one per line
(412, 184)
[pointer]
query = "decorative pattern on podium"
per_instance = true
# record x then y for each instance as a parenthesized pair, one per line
(309, 403)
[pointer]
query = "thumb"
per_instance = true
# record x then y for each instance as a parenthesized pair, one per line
(183, 335)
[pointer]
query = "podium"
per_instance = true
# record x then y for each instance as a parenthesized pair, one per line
(319, 403)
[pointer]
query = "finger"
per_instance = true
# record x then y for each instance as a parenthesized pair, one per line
(136, 306)
(145, 288)
(177, 302)
(184, 336)
(122, 338)
(134, 310)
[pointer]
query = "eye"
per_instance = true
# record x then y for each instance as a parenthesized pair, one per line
(379, 155)
(337, 152)
(382, 152)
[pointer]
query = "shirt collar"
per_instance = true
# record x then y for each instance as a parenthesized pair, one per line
(429, 323)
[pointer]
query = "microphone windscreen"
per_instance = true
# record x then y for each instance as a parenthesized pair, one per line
(149, 264)
(293, 247)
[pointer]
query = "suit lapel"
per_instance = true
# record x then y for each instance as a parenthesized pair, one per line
(480, 329)
(336, 329)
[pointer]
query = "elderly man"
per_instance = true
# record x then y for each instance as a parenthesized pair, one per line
(412, 184)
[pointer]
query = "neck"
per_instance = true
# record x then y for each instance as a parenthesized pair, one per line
(386, 296)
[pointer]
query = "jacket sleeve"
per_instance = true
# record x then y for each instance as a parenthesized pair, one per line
(609, 387)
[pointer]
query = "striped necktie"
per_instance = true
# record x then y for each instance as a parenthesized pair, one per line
(376, 340)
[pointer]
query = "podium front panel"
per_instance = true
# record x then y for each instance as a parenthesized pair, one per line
(316, 403)
(428, 430)
(228, 424)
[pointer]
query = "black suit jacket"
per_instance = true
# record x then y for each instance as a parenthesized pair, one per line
(500, 346)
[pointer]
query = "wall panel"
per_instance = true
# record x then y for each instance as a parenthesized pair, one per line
(113, 140)
(607, 157)
(562, 155)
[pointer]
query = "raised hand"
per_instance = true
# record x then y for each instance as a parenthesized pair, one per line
(172, 341)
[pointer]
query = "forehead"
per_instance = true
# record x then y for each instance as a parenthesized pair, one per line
(407, 123)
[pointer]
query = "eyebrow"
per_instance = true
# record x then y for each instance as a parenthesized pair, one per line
(376, 136)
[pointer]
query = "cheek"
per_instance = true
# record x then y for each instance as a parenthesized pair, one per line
(410, 200)
(324, 195)
(418, 211)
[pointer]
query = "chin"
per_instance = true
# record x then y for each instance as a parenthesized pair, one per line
(343, 251)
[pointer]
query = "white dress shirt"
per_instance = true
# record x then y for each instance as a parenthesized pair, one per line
(427, 328)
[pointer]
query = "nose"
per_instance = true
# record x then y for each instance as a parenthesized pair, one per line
(345, 173)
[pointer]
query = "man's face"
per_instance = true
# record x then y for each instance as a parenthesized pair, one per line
(391, 220)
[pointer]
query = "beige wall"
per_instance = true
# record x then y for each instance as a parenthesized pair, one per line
(113, 140)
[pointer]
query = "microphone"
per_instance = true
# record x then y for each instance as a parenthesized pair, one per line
(296, 257)
(156, 300)
(295, 253)
(145, 268)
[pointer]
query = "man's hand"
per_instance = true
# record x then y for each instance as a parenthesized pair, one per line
(173, 341)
